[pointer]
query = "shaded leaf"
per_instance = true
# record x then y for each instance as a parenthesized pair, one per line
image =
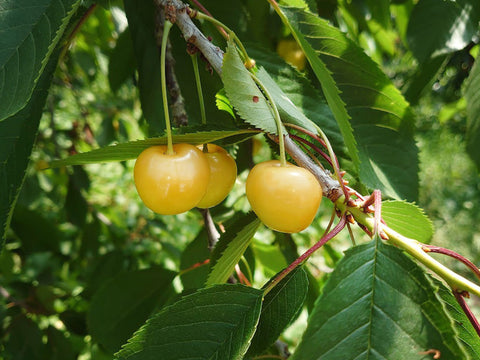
(41, 234)
(441, 27)
(25, 340)
(121, 305)
(29, 33)
(121, 64)
(408, 220)
(131, 150)
(377, 304)
(213, 323)
(472, 95)
(281, 306)
(17, 135)
(194, 270)
(244, 94)
(141, 16)
(231, 246)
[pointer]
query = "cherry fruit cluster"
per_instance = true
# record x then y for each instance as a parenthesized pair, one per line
(174, 183)
(284, 196)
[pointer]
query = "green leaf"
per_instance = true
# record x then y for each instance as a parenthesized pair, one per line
(466, 334)
(41, 234)
(231, 246)
(281, 306)
(301, 92)
(377, 304)
(389, 162)
(306, 27)
(472, 95)
(441, 27)
(194, 270)
(29, 33)
(372, 101)
(408, 220)
(131, 150)
(17, 135)
(244, 94)
(121, 305)
(141, 16)
(287, 109)
(121, 64)
(213, 323)
(423, 78)
(25, 340)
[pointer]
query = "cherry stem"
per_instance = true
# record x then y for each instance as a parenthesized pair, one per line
(378, 210)
(199, 88)
(194, 266)
(166, 29)
(311, 145)
(201, 7)
(463, 304)
(199, 15)
(307, 132)
(350, 232)
(241, 276)
(309, 153)
(453, 254)
(326, 143)
(300, 260)
(278, 121)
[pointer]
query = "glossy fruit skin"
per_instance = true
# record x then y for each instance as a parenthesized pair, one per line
(286, 198)
(292, 53)
(171, 184)
(223, 173)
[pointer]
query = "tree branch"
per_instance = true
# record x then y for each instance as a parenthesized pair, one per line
(192, 34)
(331, 187)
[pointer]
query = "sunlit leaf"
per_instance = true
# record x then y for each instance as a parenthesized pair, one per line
(441, 27)
(244, 94)
(131, 150)
(380, 116)
(377, 304)
(231, 246)
(408, 220)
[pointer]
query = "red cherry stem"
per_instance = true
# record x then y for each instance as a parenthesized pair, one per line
(194, 266)
(311, 145)
(453, 254)
(299, 261)
(166, 29)
(307, 132)
(76, 29)
(463, 304)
